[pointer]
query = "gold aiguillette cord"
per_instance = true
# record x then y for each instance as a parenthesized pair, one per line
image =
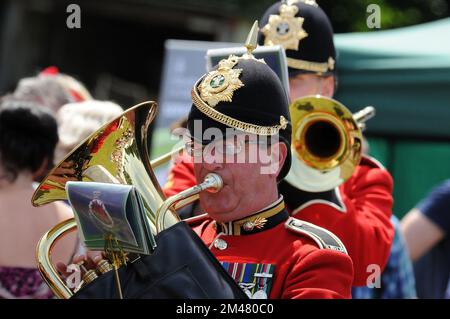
(117, 258)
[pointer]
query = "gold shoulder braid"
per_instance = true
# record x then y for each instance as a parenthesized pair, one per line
(285, 29)
(323, 237)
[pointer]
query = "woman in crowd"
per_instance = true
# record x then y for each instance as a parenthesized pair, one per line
(28, 136)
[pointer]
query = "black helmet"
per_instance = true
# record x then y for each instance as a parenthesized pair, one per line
(305, 32)
(243, 94)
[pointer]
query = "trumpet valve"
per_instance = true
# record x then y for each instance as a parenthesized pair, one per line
(103, 266)
(90, 276)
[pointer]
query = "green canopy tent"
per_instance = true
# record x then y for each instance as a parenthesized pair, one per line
(405, 74)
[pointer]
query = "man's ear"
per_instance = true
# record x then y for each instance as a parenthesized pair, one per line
(328, 86)
(278, 156)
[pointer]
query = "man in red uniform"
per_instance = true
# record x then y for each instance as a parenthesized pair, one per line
(357, 211)
(240, 110)
(239, 129)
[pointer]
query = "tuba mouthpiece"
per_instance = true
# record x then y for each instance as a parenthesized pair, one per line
(213, 183)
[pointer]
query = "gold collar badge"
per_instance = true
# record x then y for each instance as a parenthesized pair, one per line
(258, 223)
(252, 223)
(219, 85)
(285, 29)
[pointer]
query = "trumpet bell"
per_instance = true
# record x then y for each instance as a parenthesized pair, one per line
(326, 143)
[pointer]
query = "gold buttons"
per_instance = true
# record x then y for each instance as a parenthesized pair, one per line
(248, 226)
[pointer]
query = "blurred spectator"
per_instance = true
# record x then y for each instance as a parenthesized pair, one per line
(51, 89)
(426, 229)
(28, 135)
(397, 280)
(76, 121)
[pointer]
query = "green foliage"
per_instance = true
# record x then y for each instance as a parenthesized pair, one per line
(351, 15)
(346, 15)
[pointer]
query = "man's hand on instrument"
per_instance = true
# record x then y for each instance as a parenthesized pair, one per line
(88, 261)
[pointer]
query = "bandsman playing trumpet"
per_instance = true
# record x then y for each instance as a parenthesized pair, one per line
(358, 210)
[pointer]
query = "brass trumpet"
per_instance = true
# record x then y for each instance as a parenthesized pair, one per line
(115, 153)
(326, 142)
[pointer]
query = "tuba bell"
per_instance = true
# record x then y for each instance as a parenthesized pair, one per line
(327, 142)
(115, 153)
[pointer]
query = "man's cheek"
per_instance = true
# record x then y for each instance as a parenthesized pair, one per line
(197, 173)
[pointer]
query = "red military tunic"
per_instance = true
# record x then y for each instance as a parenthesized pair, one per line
(358, 212)
(359, 215)
(273, 255)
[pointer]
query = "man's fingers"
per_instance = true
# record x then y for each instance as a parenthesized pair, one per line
(67, 164)
(61, 268)
(65, 171)
(78, 258)
(95, 256)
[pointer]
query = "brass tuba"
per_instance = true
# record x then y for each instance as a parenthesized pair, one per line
(115, 153)
(327, 142)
